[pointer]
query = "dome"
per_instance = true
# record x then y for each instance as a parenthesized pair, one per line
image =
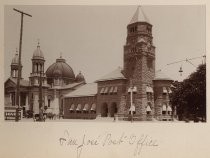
(60, 69)
(80, 77)
(15, 59)
(38, 53)
(57, 72)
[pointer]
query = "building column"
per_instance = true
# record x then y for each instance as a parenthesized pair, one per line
(36, 104)
(46, 101)
(26, 103)
(10, 98)
(55, 104)
(16, 74)
(109, 110)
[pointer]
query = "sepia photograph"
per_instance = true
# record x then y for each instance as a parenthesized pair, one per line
(77, 63)
(104, 79)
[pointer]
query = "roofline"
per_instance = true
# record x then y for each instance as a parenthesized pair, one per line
(165, 79)
(139, 22)
(76, 96)
(101, 80)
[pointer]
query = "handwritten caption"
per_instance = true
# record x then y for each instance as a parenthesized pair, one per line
(138, 142)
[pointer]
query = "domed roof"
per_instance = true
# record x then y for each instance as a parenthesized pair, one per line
(60, 69)
(80, 77)
(38, 53)
(15, 59)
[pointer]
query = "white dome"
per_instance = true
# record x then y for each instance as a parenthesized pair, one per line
(38, 53)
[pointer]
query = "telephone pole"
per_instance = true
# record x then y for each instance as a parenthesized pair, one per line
(19, 64)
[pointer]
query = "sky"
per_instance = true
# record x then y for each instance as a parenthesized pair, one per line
(91, 38)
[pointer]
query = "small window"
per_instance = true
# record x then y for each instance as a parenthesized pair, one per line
(149, 63)
(48, 102)
(163, 112)
(164, 109)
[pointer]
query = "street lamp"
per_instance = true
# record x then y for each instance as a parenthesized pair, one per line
(131, 90)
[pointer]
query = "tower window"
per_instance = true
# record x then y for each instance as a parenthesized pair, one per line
(48, 102)
(149, 63)
(133, 29)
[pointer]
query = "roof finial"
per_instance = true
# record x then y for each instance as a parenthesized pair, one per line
(38, 40)
(60, 54)
(139, 16)
(16, 51)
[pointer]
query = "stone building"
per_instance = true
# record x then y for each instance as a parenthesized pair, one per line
(58, 81)
(134, 89)
(136, 81)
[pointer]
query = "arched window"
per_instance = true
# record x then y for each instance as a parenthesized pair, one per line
(148, 109)
(37, 70)
(48, 103)
(79, 108)
(72, 108)
(56, 81)
(169, 110)
(164, 109)
(86, 108)
(93, 108)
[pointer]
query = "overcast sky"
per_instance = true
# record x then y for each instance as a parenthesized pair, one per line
(91, 38)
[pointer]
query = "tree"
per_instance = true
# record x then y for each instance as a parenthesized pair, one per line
(189, 96)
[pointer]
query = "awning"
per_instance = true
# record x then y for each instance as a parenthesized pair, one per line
(172, 86)
(79, 107)
(149, 89)
(93, 107)
(169, 108)
(132, 108)
(148, 108)
(86, 107)
(102, 90)
(164, 108)
(164, 90)
(106, 90)
(72, 107)
(133, 89)
(111, 90)
(169, 91)
(115, 90)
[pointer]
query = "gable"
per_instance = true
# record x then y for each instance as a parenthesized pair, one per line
(9, 84)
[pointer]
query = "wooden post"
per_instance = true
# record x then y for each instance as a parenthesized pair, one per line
(19, 64)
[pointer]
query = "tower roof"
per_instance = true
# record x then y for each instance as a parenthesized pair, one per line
(38, 53)
(80, 77)
(15, 59)
(139, 16)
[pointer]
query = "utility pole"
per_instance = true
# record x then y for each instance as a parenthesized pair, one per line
(19, 64)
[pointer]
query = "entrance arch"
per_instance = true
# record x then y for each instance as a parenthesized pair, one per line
(113, 109)
(104, 110)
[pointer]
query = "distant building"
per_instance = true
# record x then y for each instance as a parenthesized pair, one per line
(109, 96)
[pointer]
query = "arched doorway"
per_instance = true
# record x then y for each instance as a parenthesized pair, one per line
(104, 110)
(113, 109)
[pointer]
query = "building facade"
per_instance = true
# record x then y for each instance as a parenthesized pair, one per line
(135, 90)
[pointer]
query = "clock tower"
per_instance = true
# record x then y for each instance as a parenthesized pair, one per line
(139, 64)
